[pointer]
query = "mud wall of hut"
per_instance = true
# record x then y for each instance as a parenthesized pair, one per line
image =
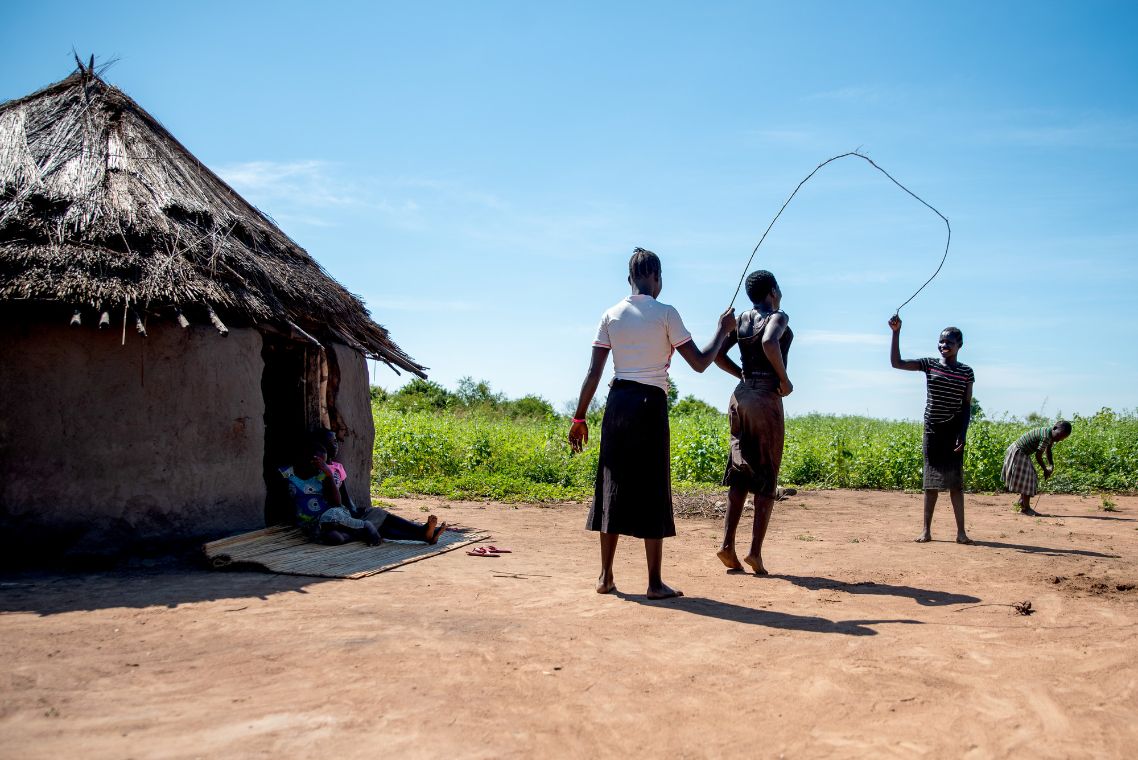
(351, 409)
(104, 445)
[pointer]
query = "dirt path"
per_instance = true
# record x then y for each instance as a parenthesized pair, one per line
(862, 644)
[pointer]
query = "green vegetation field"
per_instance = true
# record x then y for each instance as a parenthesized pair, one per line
(473, 443)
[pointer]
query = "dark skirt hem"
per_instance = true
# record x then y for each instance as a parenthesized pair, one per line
(758, 432)
(633, 494)
(944, 468)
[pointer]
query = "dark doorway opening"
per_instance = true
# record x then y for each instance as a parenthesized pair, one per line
(284, 390)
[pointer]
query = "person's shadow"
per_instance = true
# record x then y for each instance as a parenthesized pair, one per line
(1088, 517)
(1050, 551)
(923, 596)
(712, 608)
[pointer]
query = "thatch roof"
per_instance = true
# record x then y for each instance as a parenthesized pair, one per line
(101, 208)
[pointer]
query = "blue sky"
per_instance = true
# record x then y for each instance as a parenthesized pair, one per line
(480, 172)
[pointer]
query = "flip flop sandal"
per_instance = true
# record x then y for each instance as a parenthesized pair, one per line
(481, 551)
(496, 550)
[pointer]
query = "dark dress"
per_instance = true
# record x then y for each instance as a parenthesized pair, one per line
(944, 423)
(755, 411)
(633, 495)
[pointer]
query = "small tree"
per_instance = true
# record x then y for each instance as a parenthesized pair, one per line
(423, 394)
(673, 393)
(530, 406)
(690, 406)
(471, 393)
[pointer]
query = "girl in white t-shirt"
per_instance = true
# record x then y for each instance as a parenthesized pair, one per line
(633, 494)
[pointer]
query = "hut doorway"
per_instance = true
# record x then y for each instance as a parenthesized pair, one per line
(285, 387)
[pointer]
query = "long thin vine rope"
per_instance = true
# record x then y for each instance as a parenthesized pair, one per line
(947, 242)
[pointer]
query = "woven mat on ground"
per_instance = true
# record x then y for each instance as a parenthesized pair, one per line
(283, 549)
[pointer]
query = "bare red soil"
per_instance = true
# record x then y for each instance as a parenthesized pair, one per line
(861, 644)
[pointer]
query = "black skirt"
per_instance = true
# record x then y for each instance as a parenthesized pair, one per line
(944, 468)
(633, 494)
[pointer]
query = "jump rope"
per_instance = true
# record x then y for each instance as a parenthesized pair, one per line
(948, 227)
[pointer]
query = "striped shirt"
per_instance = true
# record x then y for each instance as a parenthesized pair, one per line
(947, 387)
(1036, 439)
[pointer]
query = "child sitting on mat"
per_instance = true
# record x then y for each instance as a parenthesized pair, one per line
(324, 512)
(1019, 474)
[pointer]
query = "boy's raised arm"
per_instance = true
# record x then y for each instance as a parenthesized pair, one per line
(895, 348)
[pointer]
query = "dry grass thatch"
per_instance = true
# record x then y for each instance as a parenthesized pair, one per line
(101, 208)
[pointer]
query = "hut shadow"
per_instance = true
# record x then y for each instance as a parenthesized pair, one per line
(735, 613)
(51, 592)
(922, 596)
(1028, 549)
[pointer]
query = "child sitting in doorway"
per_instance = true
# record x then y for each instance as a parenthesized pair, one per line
(370, 524)
(1019, 474)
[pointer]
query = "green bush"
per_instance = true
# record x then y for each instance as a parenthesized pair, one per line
(477, 444)
(478, 454)
(690, 406)
(530, 406)
(422, 394)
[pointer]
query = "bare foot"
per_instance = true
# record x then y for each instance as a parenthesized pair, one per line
(756, 564)
(605, 585)
(924, 538)
(663, 592)
(434, 538)
(962, 538)
(728, 557)
(430, 530)
(1028, 511)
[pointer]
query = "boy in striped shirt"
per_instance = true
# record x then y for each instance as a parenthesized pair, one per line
(948, 410)
(1019, 474)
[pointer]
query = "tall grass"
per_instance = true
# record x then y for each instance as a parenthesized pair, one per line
(830, 451)
(482, 451)
(478, 454)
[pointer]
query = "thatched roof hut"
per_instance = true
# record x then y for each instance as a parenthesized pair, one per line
(107, 221)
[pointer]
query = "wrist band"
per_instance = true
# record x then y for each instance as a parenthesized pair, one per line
(578, 419)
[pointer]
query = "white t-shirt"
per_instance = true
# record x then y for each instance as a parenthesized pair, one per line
(642, 333)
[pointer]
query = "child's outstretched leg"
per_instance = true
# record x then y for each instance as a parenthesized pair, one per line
(957, 497)
(399, 529)
(735, 498)
(930, 505)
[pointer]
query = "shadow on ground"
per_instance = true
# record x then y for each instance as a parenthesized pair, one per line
(922, 596)
(169, 584)
(711, 608)
(1028, 549)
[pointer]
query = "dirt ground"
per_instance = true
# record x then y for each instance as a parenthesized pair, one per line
(861, 644)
